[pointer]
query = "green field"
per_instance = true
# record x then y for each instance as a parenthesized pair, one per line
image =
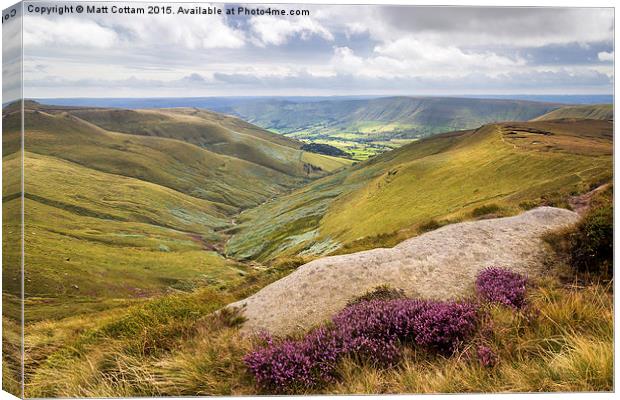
(113, 217)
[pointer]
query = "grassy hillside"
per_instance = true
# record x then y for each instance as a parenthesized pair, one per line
(371, 126)
(496, 169)
(216, 132)
(596, 111)
(113, 218)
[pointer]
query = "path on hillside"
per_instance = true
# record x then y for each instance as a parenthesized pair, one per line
(440, 264)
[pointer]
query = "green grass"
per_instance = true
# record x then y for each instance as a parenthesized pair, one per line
(216, 132)
(366, 128)
(596, 111)
(113, 217)
(444, 178)
(125, 234)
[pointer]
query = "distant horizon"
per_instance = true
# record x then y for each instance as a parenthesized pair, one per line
(219, 103)
(330, 50)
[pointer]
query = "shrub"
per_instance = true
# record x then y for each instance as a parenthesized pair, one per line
(591, 243)
(289, 366)
(485, 210)
(381, 292)
(486, 356)
(429, 225)
(371, 331)
(502, 286)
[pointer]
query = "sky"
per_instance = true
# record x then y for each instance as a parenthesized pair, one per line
(336, 50)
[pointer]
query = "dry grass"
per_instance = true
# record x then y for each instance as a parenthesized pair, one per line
(566, 346)
(562, 342)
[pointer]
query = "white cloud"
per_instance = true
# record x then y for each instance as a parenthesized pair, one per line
(72, 32)
(277, 31)
(146, 32)
(369, 46)
(606, 56)
(193, 32)
(410, 57)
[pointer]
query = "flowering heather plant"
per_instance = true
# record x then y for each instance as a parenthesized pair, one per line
(486, 356)
(500, 285)
(371, 330)
(290, 365)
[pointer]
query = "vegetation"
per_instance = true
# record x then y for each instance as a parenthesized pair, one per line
(322, 148)
(588, 245)
(561, 341)
(141, 225)
(596, 111)
(428, 183)
(368, 127)
(502, 286)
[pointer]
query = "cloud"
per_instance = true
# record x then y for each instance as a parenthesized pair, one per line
(335, 50)
(277, 31)
(476, 26)
(145, 32)
(41, 31)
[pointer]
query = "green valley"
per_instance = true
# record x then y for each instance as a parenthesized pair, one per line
(368, 127)
(114, 217)
(441, 179)
(139, 224)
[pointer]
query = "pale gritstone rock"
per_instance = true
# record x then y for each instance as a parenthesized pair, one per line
(441, 264)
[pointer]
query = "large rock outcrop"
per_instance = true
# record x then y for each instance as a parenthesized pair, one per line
(440, 264)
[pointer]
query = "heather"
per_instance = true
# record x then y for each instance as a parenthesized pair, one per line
(502, 286)
(566, 345)
(371, 331)
(375, 328)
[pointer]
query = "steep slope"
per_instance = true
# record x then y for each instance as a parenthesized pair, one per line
(442, 264)
(407, 116)
(444, 178)
(595, 111)
(366, 127)
(216, 132)
(114, 217)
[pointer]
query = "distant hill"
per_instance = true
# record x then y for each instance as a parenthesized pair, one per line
(365, 127)
(496, 169)
(596, 111)
(389, 116)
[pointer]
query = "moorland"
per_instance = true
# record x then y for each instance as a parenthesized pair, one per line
(140, 224)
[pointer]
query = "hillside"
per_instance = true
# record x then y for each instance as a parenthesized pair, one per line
(365, 127)
(595, 111)
(496, 169)
(114, 217)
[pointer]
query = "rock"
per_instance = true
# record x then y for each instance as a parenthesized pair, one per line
(440, 264)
